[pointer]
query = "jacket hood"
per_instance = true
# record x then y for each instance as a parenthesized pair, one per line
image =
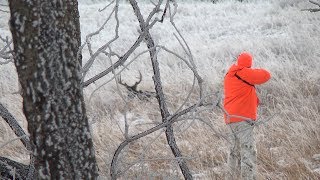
(244, 60)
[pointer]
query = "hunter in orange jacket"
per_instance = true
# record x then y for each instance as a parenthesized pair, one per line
(239, 89)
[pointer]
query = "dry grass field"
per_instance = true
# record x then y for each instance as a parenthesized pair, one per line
(282, 39)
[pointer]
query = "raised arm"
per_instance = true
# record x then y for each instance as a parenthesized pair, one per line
(254, 76)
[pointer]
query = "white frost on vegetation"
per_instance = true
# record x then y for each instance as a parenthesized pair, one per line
(282, 39)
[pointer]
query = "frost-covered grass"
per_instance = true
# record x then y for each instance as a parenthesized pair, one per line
(282, 39)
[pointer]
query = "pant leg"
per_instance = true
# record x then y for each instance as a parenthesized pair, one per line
(234, 160)
(247, 152)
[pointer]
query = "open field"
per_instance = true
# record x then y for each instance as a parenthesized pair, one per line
(282, 39)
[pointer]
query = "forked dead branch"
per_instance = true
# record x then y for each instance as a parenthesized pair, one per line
(160, 94)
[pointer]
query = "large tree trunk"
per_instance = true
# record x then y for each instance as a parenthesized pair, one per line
(46, 37)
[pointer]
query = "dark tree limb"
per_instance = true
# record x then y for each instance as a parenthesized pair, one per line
(14, 125)
(17, 129)
(10, 169)
(121, 60)
(316, 3)
(159, 91)
(172, 119)
(313, 9)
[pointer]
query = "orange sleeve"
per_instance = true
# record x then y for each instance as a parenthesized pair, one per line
(254, 76)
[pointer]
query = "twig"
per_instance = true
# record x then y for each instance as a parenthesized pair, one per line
(188, 52)
(100, 10)
(121, 60)
(316, 3)
(165, 11)
(141, 157)
(11, 140)
(188, 96)
(122, 145)
(3, 53)
(93, 56)
(7, 165)
(126, 126)
(118, 73)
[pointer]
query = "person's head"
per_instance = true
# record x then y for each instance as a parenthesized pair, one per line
(245, 60)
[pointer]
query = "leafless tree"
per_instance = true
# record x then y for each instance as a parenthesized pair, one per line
(167, 118)
(47, 55)
(46, 39)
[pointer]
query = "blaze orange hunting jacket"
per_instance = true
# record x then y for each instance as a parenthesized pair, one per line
(240, 96)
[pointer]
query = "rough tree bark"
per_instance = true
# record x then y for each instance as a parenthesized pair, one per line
(46, 37)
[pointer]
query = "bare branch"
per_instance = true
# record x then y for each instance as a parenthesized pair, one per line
(7, 166)
(165, 11)
(93, 56)
(169, 121)
(125, 67)
(4, 53)
(126, 126)
(100, 10)
(111, 53)
(158, 87)
(316, 3)
(313, 9)
(11, 140)
(188, 96)
(121, 60)
(14, 125)
(186, 48)
(152, 13)
(142, 155)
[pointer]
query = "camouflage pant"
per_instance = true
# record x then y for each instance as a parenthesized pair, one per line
(242, 156)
